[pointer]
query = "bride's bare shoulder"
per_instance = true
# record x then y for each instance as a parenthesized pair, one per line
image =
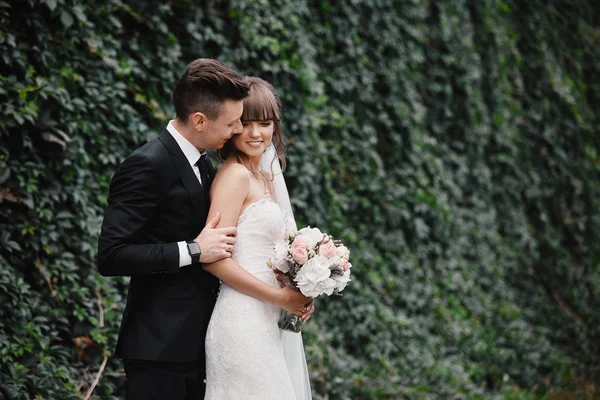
(232, 172)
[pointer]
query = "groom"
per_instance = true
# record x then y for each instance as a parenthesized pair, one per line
(154, 231)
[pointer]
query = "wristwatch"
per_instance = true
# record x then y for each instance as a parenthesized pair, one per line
(194, 251)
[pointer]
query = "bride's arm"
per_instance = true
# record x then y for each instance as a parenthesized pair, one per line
(228, 193)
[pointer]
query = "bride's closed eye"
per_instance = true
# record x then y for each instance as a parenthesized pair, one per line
(262, 123)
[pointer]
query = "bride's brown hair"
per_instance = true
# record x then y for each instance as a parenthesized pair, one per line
(262, 104)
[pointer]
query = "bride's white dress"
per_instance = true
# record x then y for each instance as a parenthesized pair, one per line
(244, 346)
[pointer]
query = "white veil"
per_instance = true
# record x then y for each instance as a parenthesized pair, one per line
(293, 346)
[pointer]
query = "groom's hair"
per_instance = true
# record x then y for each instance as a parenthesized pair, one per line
(204, 86)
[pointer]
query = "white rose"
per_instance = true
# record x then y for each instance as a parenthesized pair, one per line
(281, 249)
(341, 281)
(327, 286)
(336, 260)
(311, 236)
(343, 252)
(314, 279)
(281, 256)
(316, 269)
(290, 234)
(282, 265)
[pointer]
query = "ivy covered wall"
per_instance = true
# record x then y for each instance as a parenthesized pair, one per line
(453, 144)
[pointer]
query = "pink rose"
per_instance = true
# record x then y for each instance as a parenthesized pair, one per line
(346, 265)
(299, 242)
(327, 249)
(300, 255)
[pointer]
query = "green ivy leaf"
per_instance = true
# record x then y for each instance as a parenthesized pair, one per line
(66, 19)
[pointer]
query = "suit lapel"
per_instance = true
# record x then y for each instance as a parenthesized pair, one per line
(188, 178)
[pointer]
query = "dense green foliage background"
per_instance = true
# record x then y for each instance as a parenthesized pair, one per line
(453, 144)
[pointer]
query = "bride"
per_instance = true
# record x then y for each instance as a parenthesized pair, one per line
(247, 355)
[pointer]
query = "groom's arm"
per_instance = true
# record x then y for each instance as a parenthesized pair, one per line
(133, 200)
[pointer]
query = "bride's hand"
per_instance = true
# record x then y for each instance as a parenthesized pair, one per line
(309, 310)
(295, 302)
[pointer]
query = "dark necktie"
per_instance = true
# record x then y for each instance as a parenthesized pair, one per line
(204, 168)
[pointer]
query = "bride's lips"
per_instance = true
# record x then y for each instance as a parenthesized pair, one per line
(255, 143)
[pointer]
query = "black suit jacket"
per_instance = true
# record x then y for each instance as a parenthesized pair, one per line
(156, 201)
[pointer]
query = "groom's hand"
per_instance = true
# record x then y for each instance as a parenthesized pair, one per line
(215, 243)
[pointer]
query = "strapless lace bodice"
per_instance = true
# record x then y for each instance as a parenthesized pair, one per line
(261, 224)
(244, 347)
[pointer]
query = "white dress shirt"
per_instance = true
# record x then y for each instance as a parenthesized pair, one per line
(193, 155)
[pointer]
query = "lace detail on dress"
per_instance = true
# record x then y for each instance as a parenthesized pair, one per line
(244, 349)
(248, 208)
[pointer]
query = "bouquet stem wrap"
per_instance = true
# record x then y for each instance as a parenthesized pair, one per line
(290, 322)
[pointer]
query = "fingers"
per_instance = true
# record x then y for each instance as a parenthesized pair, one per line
(298, 308)
(230, 240)
(213, 221)
(308, 313)
(228, 231)
(302, 301)
(213, 256)
(301, 311)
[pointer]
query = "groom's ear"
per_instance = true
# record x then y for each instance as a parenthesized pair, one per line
(198, 120)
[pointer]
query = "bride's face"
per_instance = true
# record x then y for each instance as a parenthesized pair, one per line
(255, 138)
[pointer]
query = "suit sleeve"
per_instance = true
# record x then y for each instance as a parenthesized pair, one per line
(133, 200)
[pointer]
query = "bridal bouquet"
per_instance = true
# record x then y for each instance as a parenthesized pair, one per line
(312, 262)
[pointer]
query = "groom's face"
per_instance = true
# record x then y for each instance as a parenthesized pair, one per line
(217, 132)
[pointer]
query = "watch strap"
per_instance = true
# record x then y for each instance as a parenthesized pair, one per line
(194, 251)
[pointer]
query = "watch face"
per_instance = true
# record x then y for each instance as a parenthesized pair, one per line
(194, 248)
